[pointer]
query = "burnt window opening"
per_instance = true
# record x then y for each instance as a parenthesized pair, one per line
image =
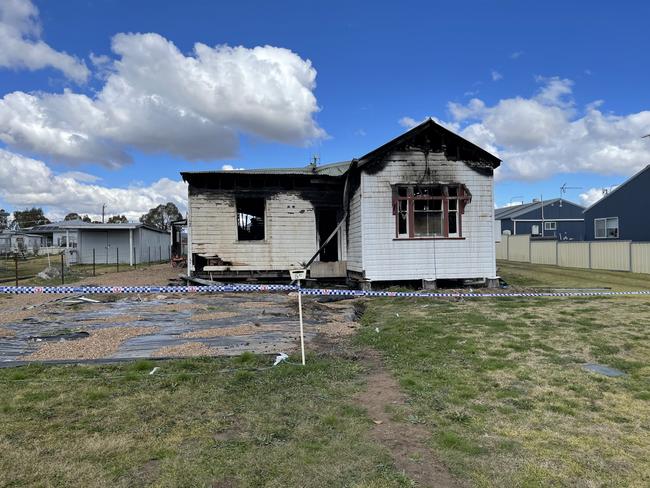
(250, 219)
(431, 211)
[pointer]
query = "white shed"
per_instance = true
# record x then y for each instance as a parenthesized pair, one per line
(129, 243)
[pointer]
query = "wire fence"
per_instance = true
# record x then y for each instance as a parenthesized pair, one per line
(66, 265)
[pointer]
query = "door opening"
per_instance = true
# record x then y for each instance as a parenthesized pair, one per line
(325, 224)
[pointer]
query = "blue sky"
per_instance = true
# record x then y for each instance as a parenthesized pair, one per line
(561, 91)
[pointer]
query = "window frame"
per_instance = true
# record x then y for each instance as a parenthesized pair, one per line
(237, 212)
(547, 225)
(404, 204)
(606, 220)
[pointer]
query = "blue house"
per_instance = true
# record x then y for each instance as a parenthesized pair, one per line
(557, 218)
(623, 212)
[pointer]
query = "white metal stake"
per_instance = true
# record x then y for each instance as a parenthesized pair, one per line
(302, 337)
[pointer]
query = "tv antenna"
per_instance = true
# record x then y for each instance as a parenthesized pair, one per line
(564, 188)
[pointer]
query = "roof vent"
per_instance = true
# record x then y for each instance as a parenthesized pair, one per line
(535, 200)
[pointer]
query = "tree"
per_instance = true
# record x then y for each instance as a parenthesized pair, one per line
(162, 216)
(30, 217)
(3, 218)
(118, 219)
(76, 216)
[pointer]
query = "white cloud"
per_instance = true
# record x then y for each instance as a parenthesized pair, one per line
(496, 76)
(545, 134)
(516, 55)
(592, 195)
(408, 122)
(230, 167)
(158, 100)
(20, 33)
(26, 182)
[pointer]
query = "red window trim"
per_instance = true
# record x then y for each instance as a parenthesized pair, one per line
(464, 197)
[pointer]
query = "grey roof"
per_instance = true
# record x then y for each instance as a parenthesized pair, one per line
(619, 187)
(515, 211)
(330, 169)
(80, 224)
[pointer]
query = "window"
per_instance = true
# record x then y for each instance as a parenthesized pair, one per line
(550, 225)
(250, 219)
(429, 211)
(606, 228)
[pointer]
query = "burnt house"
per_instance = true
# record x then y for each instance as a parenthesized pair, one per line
(420, 207)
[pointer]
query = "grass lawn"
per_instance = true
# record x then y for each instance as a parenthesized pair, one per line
(190, 424)
(526, 274)
(498, 384)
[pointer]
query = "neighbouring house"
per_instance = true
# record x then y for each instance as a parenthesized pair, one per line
(84, 242)
(622, 213)
(420, 207)
(557, 218)
(13, 241)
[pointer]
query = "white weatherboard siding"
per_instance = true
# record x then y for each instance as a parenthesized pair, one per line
(289, 224)
(355, 233)
(387, 259)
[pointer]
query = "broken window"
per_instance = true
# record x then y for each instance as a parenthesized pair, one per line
(250, 219)
(429, 211)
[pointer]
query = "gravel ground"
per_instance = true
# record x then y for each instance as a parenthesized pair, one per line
(229, 331)
(188, 349)
(100, 344)
(6, 332)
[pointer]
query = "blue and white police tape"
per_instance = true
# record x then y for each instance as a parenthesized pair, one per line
(85, 290)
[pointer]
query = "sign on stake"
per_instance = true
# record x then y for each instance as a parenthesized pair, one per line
(297, 275)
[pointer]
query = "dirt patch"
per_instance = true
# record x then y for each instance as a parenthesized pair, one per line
(6, 333)
(406, 442)
(101, 343)
(236, 330)
(197, 317)
(337, 328)
(187, 349)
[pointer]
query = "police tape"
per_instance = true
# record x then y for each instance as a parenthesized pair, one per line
(212, 289)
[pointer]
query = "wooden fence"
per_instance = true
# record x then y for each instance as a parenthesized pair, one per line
(608, 255)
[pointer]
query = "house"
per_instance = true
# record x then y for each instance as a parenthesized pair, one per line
(12, 241)
(84, 242)
(622, 213)
(557, 218)
(420, 207)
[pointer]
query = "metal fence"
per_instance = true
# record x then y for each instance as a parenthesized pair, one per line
(609, 255)
(63, 266)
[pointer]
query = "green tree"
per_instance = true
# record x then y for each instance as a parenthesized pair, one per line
(3, 218)
(118, 219)
(76, 216)
(30, 217)
(162, 216)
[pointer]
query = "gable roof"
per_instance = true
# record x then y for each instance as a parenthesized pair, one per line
(618, 187)
(515, 211)
(430, 125)
(341, 168)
